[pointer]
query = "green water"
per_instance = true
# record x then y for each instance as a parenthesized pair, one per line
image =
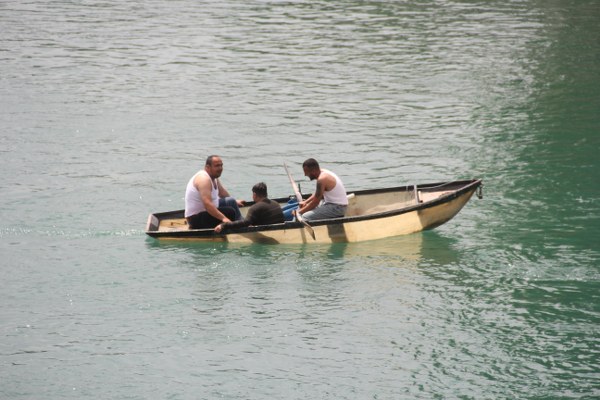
(107, 109)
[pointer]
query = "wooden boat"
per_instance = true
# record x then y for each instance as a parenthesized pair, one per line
(371, 214)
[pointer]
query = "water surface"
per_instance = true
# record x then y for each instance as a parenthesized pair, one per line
(108, 108)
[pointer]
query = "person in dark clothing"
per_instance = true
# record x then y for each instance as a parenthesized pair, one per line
(264, 211)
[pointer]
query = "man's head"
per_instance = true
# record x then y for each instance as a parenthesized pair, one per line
(259, 190)
(214, 166)
(311, 168)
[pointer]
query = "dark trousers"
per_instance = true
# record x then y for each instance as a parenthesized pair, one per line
(204, 220)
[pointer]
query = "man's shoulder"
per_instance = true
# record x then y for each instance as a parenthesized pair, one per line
(264, 203)
(273, 203)
(202, 174)
(201, 177)
(327, 174)
(327, 177)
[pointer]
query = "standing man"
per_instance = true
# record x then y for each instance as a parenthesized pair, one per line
(207, 202)
(264, 211)
(330, 189)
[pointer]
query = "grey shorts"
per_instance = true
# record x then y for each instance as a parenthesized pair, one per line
(325, 211)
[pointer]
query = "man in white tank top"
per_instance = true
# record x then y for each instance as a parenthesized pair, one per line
(207, 202)
(330, 190)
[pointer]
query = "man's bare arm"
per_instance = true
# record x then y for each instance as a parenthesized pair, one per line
(204, 186)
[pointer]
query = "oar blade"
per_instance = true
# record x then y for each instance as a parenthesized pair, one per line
(309, 228)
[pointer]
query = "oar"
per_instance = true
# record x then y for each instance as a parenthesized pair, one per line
(299, 198)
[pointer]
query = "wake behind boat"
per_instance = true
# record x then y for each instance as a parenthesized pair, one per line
(371, 214)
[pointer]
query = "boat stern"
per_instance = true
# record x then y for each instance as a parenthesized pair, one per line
(152, 223)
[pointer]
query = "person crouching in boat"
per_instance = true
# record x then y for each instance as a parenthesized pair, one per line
(330, 190)
(264, 211)
(207, 202)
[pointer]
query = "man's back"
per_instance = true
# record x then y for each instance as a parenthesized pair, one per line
(263, 212)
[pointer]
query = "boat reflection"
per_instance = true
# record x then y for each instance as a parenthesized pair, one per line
(425, 248)
(405, 247)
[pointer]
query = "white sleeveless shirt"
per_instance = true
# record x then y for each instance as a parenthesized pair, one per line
(337, 195)
(193, 201)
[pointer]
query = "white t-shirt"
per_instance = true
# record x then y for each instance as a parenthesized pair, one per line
(193, 201)
(337, 195)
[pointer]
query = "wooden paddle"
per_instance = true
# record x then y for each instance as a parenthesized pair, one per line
(299, 198)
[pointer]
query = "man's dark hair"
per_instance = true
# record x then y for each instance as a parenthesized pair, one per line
(260, 189)
(209, 159)
(311, 163)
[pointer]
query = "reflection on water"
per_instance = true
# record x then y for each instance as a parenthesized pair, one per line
(424, 248)
(408, 246)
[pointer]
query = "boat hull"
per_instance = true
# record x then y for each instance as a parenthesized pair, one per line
(374, 214)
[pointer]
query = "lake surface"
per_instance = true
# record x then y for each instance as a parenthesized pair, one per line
(107, 108)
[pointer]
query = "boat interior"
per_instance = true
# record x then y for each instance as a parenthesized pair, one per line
(367, 203)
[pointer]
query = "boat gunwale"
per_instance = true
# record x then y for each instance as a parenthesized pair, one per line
(465, 186)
